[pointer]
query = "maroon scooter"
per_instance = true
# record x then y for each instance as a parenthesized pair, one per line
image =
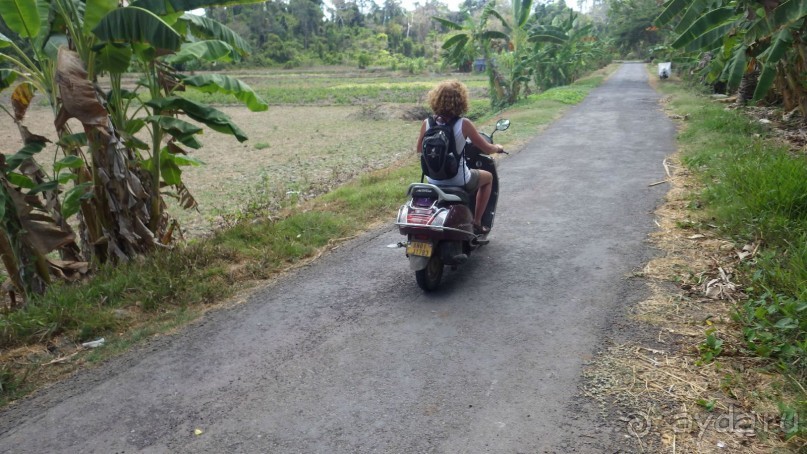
(438, 220)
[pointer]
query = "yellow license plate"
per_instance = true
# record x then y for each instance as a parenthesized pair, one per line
(419, 248)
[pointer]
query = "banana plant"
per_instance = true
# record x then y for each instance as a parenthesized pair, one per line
(506, 87)
(745, 37)
(564, 50)
(522, 71)
(154, 54)
(115, 179)
(478, 36)
(34, 217)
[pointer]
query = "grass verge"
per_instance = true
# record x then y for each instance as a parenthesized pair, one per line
(754, 192)
(124, 304)
(721, 368)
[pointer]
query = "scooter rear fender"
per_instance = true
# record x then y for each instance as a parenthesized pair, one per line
(417, 263)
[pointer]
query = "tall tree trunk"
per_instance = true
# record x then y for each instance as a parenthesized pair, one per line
(119, 209)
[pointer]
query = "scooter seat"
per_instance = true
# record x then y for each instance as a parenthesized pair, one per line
(451, 194)
(457, 191)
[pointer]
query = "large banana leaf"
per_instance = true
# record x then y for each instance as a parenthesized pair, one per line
(582, 31)
(783, 16)
(447, 23)
(456, 44)
(7, 77)
(211, 83)
(68, 162)
(521, 10)
(770, 58)
(74, 197)
(137, 25)
(95, 10)
(171, 6)
(492, 34)
(114, 57)
(203, 50)
(210, 29)
(174, 126)
(76, 140)
(170, 171)
(712, 38)
(4, 41)
(189, 141)
(704, 24)
(14, 161)
(693, 12)
(23, 17)
(54, 42)
(548, 35)
(672, 9)
(185, 160)
(213, 118)
(736, 67)
(489, 11)
(459, 40)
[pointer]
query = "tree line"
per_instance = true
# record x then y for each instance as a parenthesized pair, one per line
(523, 46)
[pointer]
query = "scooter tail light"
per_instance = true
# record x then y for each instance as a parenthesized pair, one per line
(439, 218)
(418, 217)
(403, 214)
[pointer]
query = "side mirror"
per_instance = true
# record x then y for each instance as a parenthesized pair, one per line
(502, 125)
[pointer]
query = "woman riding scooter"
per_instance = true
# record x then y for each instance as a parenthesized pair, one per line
(449, 101)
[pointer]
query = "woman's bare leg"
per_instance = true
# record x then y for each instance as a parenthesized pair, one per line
(483, 195)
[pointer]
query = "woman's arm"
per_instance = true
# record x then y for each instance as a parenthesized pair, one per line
(469, 130)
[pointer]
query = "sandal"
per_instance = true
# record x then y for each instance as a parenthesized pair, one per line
(480, 229)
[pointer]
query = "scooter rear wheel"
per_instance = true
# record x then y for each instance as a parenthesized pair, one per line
(429, 278)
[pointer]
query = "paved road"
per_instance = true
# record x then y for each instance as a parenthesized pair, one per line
(348, 355)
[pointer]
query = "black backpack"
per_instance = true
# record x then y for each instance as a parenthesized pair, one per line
(439, 158)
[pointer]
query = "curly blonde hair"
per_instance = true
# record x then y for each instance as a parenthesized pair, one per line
(449, 99)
